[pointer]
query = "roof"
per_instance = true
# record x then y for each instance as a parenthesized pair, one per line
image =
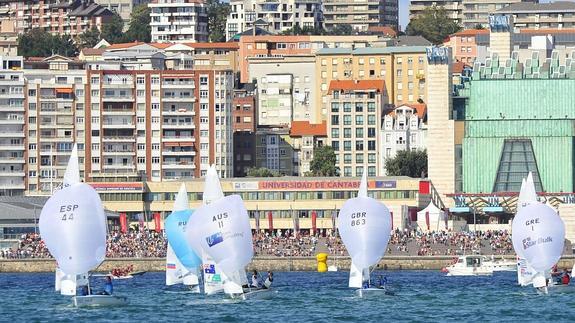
(419, 108)
(384, 30)
(93, 51)
(353, 85)
(372, 50)
(250, 32)
(529, 7)
(458, 67)
(304, 128)
(412, 41)
(230, 45)
(547, 31)
(472, 32)
(125, 45)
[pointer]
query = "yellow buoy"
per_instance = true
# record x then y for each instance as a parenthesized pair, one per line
(321, 262)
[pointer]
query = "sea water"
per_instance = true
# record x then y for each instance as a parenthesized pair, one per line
(422, 296)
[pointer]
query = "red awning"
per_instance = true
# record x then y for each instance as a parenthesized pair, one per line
(64, 90)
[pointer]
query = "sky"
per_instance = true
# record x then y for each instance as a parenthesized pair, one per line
(404, 11)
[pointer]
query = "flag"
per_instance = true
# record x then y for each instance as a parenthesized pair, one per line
(171, 266)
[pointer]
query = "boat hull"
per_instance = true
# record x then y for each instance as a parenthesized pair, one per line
(99, 300)
(469, 272)
(255, 294)
(373, 292)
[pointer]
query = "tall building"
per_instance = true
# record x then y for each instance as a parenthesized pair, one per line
(305, 138)
(360, 15)
(557, 14)
(353, 124)
(273, 16)
(403, 128)
(274, 150)
(285, 88)
(12, 123)
(244, 125)
(130, 125)
(55, 16)
(402, 68)
(123, 7)
(179, 21)
(468, 13)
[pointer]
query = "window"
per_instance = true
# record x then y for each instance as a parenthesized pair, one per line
(359, 145)
(347, 158)
(347, 107)
(335, 132)
(371, 158)
(347, 171)
(347, 120)
(370, 119)
(371, 171)
(335, 107)
(140, 80)
(359, 107)
(347, 145)
(359, 132)
(359, 120)
(335, 145)
(359, 171)
(517, 157)
(371, 145)
(335, 120)
(347, 132)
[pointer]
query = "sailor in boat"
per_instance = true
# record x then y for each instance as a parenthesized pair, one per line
(565, 279)
(269, 280)
(86, 290)
(255, 281)
(108, 287)
(381, 282)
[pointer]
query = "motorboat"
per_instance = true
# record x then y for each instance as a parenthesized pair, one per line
(499, 264)
(469, 266)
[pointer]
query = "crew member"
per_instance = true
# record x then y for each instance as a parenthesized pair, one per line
(255, 282)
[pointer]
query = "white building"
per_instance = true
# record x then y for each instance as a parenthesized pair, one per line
(279, 15)
(12, 126)
(403, 129)
(285, 88)
(179, 21)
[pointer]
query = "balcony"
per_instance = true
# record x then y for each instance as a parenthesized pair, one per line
(11, 134)
(11, 147)
(12, 186)
(118, 98)
(119, 168)
(118, 125)
(167, 152)
(12, 173)
(118, 152)
(178, 165)
(178, 98)
(178, 84)
(119, 139)
(181, 138)
(11, 121)
(179, 125)
(118, 112)
(179, 112)
(12, 160)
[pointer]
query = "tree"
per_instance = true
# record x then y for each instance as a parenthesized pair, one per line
(217, 15)
(407, 163)
(113, 30)
(341, 30)
(261, 172)
(323, 162)
(479, 26)
(89, 38)
(39, 43)
(140, 29)
(433, 24)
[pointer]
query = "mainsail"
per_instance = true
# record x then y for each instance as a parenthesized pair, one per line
(527, 195)
(364, 225)
(182, 263)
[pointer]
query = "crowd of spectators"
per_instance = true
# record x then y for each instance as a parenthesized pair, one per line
(145, 244)
(286, 244)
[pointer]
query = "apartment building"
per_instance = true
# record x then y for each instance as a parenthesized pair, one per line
(12, 123)
(402, 67)
(403, 128)
(285, 88)
(556, 15)
(476, 12)
(274, 150)
(273, 16)
(353, 123)
(270, 46)
(464, 44)
(130, 125)
(178, 21)
(55, 16)
(123, 7)
(360, 14)
(244, 126)
(467, 13)
(305, 137)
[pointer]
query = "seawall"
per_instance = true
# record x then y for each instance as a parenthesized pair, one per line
(259, 263)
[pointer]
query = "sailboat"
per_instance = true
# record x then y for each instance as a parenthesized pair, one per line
(221, 229)
(182, 263)
(538, 236)
(73, 226)
(364, 225)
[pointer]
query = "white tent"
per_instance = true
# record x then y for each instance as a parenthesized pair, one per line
(432, 218)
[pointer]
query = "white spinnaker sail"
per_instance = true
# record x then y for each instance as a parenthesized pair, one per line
(222, 230)
(364, 225)
(538, 235)
(213, 276)
(527, 195)
(73, 227)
